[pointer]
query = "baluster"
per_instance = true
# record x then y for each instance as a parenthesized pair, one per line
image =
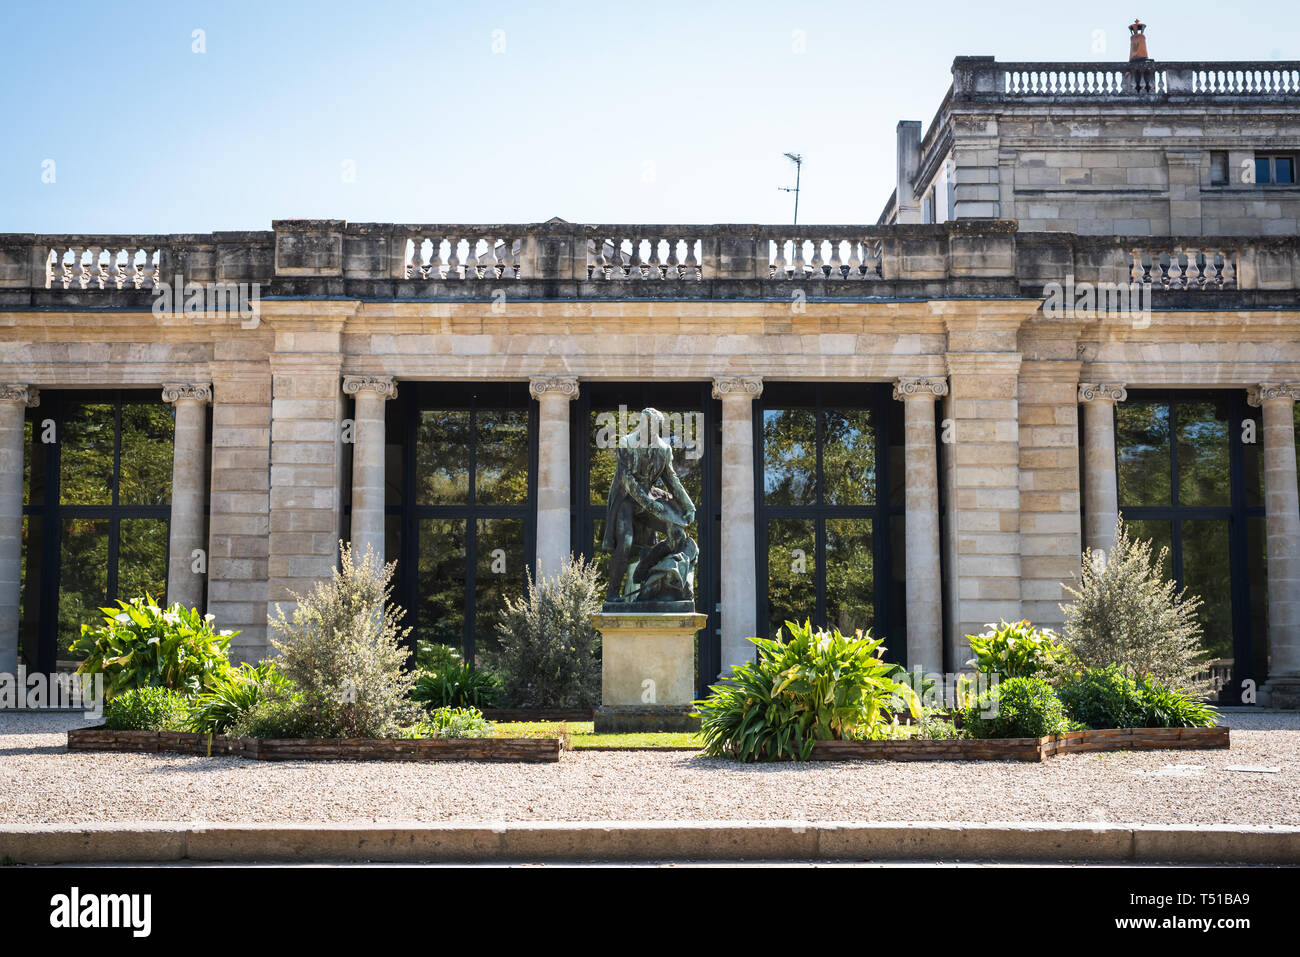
(509, 264)
(673, 268)
(453, 257)
(471, 259)
(692, 262)
(837, 267)
(78, 270)
(489, 259)
(49, 268)
(817, 272)
(778, 258)
(798, 263)
(114, 274)
(634, 270)
(152, 263)
(855, 259)
(656, 262)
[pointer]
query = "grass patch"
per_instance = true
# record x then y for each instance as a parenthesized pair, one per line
(582, 734)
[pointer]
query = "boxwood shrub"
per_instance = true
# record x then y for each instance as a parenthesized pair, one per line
(148, 709)
(1016, 708)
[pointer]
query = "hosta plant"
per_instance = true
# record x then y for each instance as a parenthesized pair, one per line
(1014, 650)
(141, 645)
(810, 686)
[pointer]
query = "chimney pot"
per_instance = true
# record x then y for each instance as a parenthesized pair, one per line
(1137, 42)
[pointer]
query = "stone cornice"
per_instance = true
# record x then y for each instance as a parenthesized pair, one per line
(747, 385)
(564, 385)
(28, 395)
(175, 391)
(1268, 391)
(384, 385)
(1108, 391)
(920, 387)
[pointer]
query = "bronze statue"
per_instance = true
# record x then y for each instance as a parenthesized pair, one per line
(649, 510)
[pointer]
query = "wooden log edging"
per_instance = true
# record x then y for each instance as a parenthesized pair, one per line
(1024, 749)
(318, 749)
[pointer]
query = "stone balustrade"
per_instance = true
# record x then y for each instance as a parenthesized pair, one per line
(986, 79)
(960, 259)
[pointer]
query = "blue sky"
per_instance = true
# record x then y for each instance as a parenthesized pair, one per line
(671, 112)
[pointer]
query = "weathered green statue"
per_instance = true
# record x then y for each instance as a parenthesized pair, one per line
(649, 510)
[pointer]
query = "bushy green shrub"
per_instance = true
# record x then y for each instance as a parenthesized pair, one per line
(1016, 708)
(815, 685)
(549, 654)
(1015, 650)
(279, 713)
(140, 645)
(234, 694)
(1110, 698)
(451, 723)
(456, 686)
(148, 709)
(1125, 612)
(342, 651)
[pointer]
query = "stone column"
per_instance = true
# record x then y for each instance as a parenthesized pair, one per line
(370, 393)
(189, 492)
(739, 587)
(554, 496)
(14, 400)
(921, 516)
(1100, 484)
(1282, 535)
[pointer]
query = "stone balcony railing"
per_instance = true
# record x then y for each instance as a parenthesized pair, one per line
(557, 260)
(985, 79)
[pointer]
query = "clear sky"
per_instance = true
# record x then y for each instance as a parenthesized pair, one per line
(665, 112)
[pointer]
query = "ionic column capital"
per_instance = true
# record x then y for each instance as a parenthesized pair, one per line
(910, 387)
(173, 392)
(385, 386)
(746, 385)
(28, 395)
(563, 385)
(1106, 391)
(1266, 391)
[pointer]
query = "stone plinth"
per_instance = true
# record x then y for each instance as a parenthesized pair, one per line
(647, 670)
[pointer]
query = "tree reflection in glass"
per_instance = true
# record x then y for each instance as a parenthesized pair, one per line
(1142, 441)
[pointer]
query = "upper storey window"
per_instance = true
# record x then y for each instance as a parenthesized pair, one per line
(1274, 169)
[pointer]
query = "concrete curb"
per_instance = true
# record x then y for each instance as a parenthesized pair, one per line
(648, 841)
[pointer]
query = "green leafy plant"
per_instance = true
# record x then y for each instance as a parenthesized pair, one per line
(234, 694)
(342, 651)
(1125, 612)
(815, 685)
(457, 685)
(1016, 708)
(148, 709)
(1014, 650)
(1111, 698)
(450, 723)
(140, 645)
(436, 657)
(280, 713)
(549, 654)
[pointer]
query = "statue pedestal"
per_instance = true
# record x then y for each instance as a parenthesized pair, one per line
(647, 678)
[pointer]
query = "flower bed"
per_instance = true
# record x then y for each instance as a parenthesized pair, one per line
(319, 749)
(1023, 749)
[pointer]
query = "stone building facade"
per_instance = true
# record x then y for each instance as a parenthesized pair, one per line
(888, 426)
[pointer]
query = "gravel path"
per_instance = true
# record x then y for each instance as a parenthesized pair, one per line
(40, 782)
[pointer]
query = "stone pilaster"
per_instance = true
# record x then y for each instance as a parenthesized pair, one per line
(1100, 483)
(188, 562)
(1282, 535)
(924, 586)
(369, 392)
(554, 494)
(14, 401)
(739, 583)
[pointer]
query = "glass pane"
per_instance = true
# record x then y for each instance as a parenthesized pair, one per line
(789, 456)
(598, 554)
(850, 575)
(1206, 573)
(501, 457)
(604, 430)
(440, 570)
(31, 567)
(791, 571)
(849, 457)
(1284, 170)
(1203, 453)
(1252, 458)
(146, 476)
(499, 575)
(1142, 444)
(686, 435)
(442, 457)
(83, 581)
(86, 455)
(142, 558)
(1262, 170)
(1157, 532)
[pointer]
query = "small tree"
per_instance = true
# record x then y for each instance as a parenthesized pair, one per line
(1126, 612)
(342, 649)
(550, 651)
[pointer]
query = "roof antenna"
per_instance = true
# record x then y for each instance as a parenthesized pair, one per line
(797, 159)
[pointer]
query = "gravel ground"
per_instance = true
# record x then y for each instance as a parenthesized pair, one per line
(40, 782)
